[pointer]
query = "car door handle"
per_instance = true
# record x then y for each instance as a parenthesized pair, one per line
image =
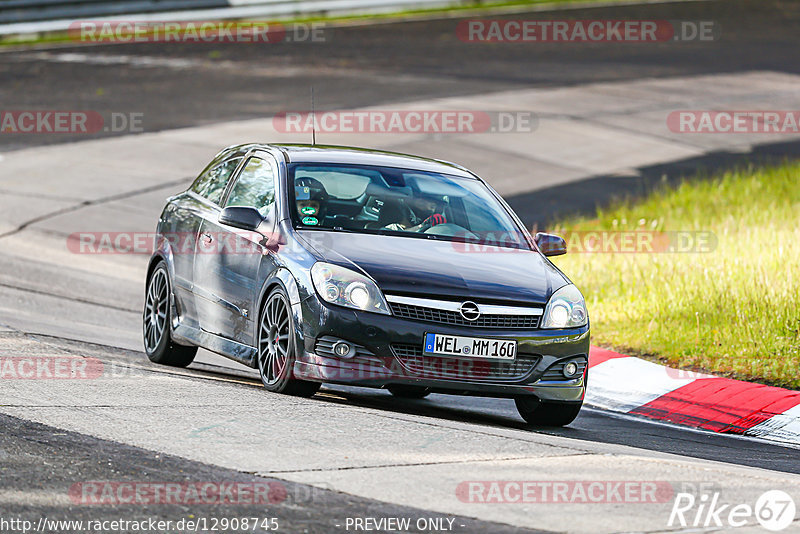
(206, 237)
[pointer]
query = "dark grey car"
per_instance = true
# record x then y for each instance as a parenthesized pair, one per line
(342, 265)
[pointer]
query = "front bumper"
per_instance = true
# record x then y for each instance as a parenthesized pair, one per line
(389, 351)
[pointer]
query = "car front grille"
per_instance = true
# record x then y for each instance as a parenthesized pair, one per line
(434, 315)
(420, 365)
(555, 371)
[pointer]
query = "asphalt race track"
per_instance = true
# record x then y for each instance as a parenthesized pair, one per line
(362, 66)
(348, 452)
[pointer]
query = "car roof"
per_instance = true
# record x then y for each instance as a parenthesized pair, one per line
(297, 153)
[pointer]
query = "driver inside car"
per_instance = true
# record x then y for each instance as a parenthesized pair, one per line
(421, 215)
(311, 200)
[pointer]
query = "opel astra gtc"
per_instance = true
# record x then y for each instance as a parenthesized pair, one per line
(319, 264)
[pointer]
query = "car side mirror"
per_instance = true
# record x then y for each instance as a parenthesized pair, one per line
(242, 217)
(550, 244)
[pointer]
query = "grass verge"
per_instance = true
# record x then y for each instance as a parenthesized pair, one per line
(733, 311)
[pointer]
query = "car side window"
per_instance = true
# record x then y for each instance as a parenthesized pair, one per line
(211, 184)
(255, 187)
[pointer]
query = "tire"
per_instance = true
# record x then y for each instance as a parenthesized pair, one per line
(276, 348)
(156, 320)
(539, 413)
(409, 392)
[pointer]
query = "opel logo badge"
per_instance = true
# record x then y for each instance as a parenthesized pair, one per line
(469, 311)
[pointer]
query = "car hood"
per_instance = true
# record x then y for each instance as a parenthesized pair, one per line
(433, 268)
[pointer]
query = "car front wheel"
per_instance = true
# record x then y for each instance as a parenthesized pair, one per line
(158, 343)
(276, 348)
(538, 413)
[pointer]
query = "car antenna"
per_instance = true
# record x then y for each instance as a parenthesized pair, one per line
(313, 120)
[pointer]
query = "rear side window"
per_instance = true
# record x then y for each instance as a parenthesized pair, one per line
(211, 184)
(255, 187)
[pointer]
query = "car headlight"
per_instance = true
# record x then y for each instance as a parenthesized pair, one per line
(566, 309)
(345, 287)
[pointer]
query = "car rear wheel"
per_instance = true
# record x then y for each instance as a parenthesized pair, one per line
(539, 413)
(276, 348)
(158, 343)
(409, 392)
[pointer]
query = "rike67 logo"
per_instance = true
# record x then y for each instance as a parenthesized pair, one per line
(774, 510)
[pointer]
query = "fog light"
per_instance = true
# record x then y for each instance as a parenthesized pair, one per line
(343, 350)
(570, 369)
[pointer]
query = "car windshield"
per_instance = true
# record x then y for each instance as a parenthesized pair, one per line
(405, 202)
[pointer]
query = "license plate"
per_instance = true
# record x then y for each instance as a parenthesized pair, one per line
(474, 347)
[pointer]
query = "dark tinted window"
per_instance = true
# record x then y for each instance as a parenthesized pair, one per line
(402, 202)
